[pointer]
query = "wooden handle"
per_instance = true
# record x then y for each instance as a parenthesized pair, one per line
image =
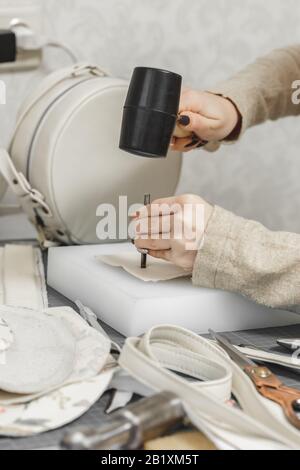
(285, 400)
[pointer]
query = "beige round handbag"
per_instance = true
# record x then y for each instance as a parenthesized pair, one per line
(65, 159)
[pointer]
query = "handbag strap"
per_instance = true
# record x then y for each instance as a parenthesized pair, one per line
(32, 201)
(165, 350)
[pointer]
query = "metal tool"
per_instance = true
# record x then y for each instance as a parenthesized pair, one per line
(290, 344)
(266, 383)
(130, 427)
(147, 200)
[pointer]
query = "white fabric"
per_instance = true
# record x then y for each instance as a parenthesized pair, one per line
(22, 279)
(42, 354)
(53, 410)
(157, 270)
(26, 415)
(164, 349)
(91, 350)
(290, 361)
(6, 340)
(1, 276)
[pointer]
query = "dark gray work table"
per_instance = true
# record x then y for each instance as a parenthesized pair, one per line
(264, 338)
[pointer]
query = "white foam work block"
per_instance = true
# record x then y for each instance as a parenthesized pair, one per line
(132, 306)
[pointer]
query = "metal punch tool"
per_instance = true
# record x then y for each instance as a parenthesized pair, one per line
(147, 200)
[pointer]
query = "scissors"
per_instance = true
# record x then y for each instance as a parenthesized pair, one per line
(266, 383)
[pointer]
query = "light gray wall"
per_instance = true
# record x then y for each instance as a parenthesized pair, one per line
(205, 41)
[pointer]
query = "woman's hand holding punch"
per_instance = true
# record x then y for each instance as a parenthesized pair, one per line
(173, 228)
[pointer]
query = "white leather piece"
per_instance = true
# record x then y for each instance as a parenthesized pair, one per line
(89, 316)
(157, 269)
(6, 340)
(119, 400)
(92, 347)
(27, 415)
(261, 424)
(55, 409)
(1, 276)
(22, 279)
(91, 354)
(291, 361)
(42, 355)
(124, 382)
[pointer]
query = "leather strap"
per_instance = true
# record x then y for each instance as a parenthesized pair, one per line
(29, 198)
(164, 350)
(32, 201)
(22, 278)
(271, 358)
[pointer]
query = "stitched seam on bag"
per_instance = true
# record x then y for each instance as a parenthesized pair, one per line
(155, 367)
(202, 379)
(225, 365)
(196, 374)
(191, 370)
(203, 359)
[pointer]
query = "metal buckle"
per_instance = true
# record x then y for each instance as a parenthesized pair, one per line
(92, 69)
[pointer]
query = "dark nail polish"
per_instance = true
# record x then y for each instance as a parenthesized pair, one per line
(184, 120)
(202, 143)
(192, 143)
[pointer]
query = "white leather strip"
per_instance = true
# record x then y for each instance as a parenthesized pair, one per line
(30, 199)
(291, 361)
(177, 350)
(165, 349)
(23, 279)
(1, 275)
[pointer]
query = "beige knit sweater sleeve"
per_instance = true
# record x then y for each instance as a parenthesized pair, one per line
(240, 255)
(263, 90)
